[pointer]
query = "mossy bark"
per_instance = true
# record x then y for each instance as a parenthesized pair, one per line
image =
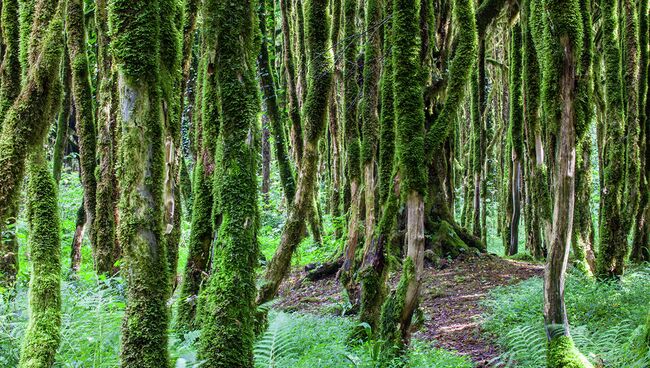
(136, 50)
(293, 108)
(370, 113)
(206, 130)
(515, 140)
(562, 353)
(206, 125)
(105, 221)
(583, 234)
(353, 149)
(41, 340)
(171, 20)
(26, 121)
(640, 245)
(10, 77)
(560, 54)
(228, 303)
(320, 75)
(613, 233)
(85, 118)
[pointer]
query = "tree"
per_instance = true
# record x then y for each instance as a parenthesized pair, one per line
(559, 56)
(613, 233)
(228, 302)
(136, 51)
(10, 77)
(85, 118)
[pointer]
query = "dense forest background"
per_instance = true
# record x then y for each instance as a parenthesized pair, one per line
(324, 183)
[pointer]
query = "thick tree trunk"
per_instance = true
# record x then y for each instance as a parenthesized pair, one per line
(41, 340)
(141, 182)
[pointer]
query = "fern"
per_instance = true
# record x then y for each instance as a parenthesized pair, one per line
(277, 344)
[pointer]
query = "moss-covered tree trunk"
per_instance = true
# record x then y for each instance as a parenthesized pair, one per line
(641, 245)
(206, 129)
(613, 232)
(560, 55)
(320, 75)
(106, 249)
(370, 112)
(630, 65)
(583, 232)
(353, 148)
(10, 77)
(136, 46)
(170, 81)
(26, 122)
(85, 118)
(228, 302)
(334, 113)
(41, 340)
(515, 139)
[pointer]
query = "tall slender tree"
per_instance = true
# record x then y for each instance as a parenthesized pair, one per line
(613, 233)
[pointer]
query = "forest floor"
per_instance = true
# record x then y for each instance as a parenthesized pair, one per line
(451, 296)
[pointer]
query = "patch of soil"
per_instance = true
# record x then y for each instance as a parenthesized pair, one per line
(451, 295)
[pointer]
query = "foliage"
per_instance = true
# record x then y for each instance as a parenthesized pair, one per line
(605, 316)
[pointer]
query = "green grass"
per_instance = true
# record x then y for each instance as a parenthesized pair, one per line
(604, 318)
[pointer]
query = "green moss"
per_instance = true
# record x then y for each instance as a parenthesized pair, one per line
(26, 12)
(314, 111)
(446, 241)
(371, 75)
(459, 73)
(141, 164)
(41, 341)
(228, 302)
(562, 353)
(391, 310)
(387, 113)
(106, 203)
(351, 93)
(613, 235)
(27, 121)
(408, 97)
(10, 68)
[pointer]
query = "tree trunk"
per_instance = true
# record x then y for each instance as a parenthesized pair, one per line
(613, 233)
(77, 241)
(107, 249)
(82, 97)
(10, 76)
(141, 182)
(41, 340)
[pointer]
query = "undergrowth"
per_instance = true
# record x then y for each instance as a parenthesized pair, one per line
(606, 320)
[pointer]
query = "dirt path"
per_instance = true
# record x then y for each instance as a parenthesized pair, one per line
(450, 300)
